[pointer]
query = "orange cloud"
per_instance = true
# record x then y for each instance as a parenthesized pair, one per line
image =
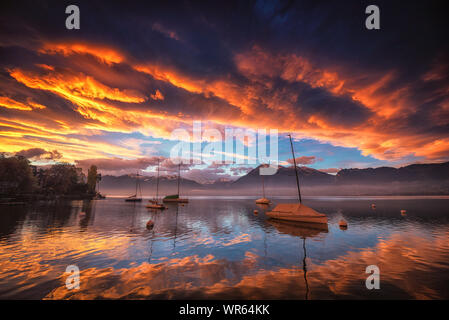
(293, 68)
(87, 94)
(415, 255)
(102, 53)
(253, 103)
(157, 95)
(9, 103)
(164, 73)
(95, 102)
(74, 86)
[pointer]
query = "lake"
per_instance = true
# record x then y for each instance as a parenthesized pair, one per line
(219, 249)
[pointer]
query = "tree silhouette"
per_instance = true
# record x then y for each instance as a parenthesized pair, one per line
(92, 177)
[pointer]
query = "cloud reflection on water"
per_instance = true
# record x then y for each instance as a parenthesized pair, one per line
(407, 263)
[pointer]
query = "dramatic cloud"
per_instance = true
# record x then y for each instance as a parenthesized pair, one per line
(9, 103)
(238, 171)
(38, 153)
(208, 175)
(118, 164)
(305, 160)
(308, 69)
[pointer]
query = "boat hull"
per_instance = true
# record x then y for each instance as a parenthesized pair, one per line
(133, 200)
(263, 201)
(179, 200)
(297, 213)
(155, 206)
(305, 219)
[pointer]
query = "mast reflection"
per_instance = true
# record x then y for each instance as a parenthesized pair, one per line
(302, 230)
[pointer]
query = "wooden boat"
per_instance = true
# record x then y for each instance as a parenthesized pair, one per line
(175, 197)
(297, 211)
(154, 203)
(263, 201)
(134, 197)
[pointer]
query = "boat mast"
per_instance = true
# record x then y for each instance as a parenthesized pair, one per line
(179, 175)
(263, 187)
(137, 181)
(157, 182)
(296, 171)
(140, 187)
(304, 267)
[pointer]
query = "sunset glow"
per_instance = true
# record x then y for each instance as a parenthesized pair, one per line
(85, 94)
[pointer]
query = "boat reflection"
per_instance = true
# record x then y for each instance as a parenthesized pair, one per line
(302, 230)
(298, 229)
(191, 253)
(263, 206)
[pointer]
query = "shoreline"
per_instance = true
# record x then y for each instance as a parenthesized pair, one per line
(22, 199)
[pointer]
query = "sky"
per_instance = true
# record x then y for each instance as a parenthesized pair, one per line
(113, 92)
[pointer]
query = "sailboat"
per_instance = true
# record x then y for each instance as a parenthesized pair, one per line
(154, 203)
(297, 211)
(134, 198)
(263, 200)
(175, 197)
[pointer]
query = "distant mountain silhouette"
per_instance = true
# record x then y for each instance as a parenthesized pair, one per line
(285, 176)
(414, 179)
(126, 184)
(411, 173)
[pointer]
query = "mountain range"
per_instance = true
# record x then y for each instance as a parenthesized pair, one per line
(422, 179)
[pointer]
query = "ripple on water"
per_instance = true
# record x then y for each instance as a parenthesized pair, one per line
(220, 249)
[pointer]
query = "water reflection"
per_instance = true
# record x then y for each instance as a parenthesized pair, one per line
(302, 230)
(213, 249)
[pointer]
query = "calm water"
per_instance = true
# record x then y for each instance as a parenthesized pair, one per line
(219, 249)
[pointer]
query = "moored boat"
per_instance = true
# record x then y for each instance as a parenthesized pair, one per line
(134, 197)
(175, 197)
(297, 211)
(263, 200)
(154, 203)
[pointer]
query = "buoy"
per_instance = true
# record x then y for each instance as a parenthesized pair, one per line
(403, 212)
(343, 224)
(150, 224)
(373, 206)
(256, 212)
